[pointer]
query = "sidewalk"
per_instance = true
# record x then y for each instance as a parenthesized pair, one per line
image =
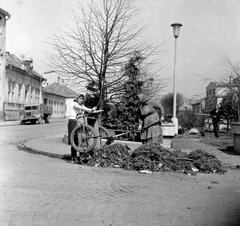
(50, 146)
(17, 122)
(10, 123)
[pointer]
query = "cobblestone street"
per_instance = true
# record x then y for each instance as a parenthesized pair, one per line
(37, 190)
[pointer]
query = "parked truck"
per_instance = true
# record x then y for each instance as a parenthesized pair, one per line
(34, 113)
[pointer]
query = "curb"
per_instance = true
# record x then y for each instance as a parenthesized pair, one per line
(17, 122)
(13, 123)
(24, 147)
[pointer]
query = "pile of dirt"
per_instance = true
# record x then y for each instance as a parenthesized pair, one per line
(154, 157)
(205, 162)
(114, 155)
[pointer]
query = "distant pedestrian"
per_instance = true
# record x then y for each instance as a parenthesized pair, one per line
(216, 114)
(150, 116)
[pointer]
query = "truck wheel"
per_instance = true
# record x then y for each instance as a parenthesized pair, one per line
(33, 121)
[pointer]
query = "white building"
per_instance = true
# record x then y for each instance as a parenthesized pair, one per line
(22, 86)
(214, 95)
(4, 16)
(60, 97)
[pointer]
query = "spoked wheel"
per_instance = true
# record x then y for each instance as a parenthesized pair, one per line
(83, 138)
(103, 134)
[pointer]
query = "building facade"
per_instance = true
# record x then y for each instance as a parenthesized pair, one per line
(59, 97)
(4, 16)
(199, 106)
(214, 95)
(23, 86)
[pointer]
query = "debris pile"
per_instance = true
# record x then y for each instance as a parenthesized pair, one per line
(154, 157)
(114, 155)
(205, 162)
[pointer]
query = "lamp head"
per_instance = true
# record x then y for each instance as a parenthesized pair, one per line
(176, 29)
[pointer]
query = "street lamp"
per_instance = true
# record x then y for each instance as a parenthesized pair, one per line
(176, 31)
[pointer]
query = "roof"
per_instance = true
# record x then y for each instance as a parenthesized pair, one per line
(13, 60)
(59, 90)
(185, 106)
(5, 12)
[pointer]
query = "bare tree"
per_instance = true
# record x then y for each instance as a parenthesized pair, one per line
(98, 44)
(231, 81)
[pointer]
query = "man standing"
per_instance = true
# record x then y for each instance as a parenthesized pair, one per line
(216, 114)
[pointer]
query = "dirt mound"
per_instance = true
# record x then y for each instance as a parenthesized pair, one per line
(114, 155)
(156, 158)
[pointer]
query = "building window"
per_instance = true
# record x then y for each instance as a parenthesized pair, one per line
(9, 91)
(37, 92)
(19, 93)
(32, 95)
(13, 92)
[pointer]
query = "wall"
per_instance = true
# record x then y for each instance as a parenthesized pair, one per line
(2, 62)
(58, 104)
(21, 89)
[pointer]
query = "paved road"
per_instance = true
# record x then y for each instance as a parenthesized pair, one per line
(38, 190)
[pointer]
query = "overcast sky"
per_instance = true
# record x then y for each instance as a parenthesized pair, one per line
(210, 32)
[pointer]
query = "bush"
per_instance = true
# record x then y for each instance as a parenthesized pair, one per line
(189, 119)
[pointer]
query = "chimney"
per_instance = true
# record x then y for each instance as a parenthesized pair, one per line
(58, 79)
(28, 64)
(230, 81)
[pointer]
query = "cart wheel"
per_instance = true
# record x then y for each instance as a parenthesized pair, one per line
(84, 158)
(83, 138)
(103, 134)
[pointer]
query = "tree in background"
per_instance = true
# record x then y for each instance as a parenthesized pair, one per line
(167, 103)
(124, 116)
(230, 106)
(94, 48)
(231, 81)
(188, 119)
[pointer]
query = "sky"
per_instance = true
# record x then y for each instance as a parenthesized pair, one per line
(210, 32)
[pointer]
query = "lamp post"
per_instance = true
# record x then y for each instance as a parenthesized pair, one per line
(176, 31)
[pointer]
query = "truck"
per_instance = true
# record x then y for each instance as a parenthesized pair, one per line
(34, 113)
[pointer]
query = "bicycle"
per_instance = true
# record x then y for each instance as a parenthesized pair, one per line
(84, 137)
